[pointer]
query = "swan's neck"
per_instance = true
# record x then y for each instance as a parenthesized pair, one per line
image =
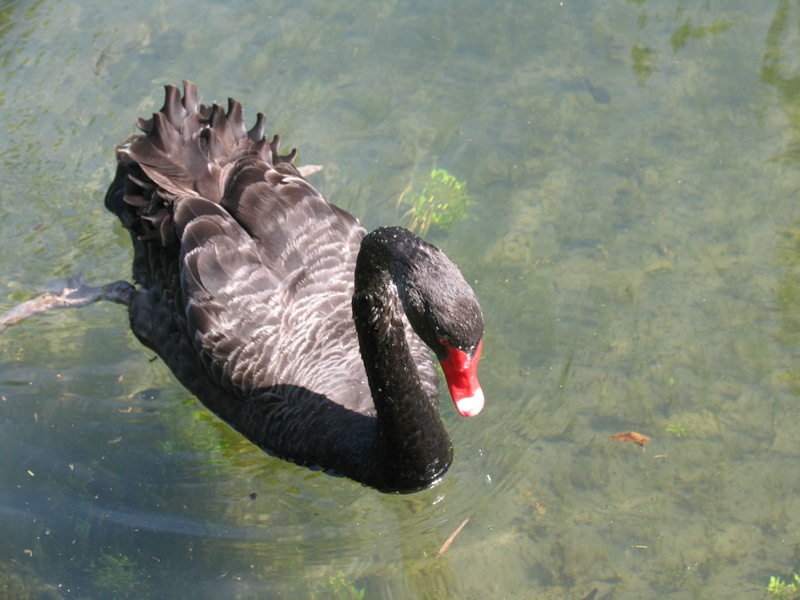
(412, 446)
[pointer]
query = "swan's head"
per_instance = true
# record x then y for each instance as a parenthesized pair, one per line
(443, 310)
(438, 302)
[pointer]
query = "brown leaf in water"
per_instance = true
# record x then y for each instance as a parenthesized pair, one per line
(631, 436)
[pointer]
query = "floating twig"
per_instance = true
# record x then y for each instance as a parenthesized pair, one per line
(453, 535)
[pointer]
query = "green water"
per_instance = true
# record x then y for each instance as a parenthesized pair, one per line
(635, 243)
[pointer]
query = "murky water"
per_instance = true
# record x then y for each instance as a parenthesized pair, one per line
(634, 242)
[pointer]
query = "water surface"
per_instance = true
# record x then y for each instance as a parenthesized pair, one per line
(635, 244)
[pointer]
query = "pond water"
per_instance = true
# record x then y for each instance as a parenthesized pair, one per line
(634, 241)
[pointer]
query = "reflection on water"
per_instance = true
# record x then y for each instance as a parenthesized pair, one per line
(633, 245)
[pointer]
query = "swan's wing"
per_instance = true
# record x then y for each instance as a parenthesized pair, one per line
(266, 264)
(267, 279)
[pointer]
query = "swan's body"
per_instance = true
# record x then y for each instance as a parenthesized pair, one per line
(248, 282)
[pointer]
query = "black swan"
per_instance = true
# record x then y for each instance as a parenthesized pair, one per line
(278, 310)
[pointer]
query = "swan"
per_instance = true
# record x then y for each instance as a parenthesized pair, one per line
(278, 310)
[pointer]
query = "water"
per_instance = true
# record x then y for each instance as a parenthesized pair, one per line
(634, 244)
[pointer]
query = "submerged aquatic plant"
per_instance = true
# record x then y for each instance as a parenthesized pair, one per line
(116, 576)
(341, 588)
(679, 430)
(442, 203)
(18, 582)
(781, 590)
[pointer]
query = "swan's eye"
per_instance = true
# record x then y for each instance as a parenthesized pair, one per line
(442, 349)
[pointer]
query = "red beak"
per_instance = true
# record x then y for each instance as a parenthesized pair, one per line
(461, 372)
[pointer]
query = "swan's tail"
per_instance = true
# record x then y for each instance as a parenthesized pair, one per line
(186, 149)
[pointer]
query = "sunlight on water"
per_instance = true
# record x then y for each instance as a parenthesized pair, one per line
(633, 241)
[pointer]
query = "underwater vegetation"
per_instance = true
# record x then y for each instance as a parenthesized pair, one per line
(780, 590)
(116, 576)
(338, 587)
(679, 430)
(443, 202)
(18, 583)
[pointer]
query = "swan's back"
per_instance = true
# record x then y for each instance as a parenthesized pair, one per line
(245, 272)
